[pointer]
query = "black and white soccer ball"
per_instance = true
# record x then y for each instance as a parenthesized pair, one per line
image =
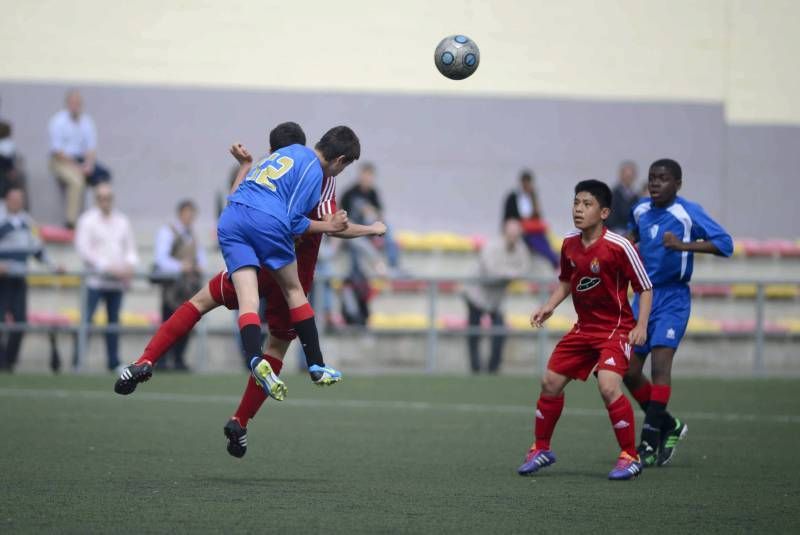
(457, 57)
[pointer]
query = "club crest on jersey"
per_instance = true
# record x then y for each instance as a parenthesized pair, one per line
(653, 232)
(595, 266)
(587, 283)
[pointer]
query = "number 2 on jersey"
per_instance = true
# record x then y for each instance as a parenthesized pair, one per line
(276, 167)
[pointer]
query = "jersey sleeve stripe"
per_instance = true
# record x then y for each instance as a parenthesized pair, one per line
(633, 258)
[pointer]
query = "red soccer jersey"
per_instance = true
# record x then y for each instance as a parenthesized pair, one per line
(599, 277)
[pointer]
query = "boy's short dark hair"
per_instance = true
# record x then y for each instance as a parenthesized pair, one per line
(285, 134)
(597, 189)
(340, 141)
(184, 204)
(672, 166)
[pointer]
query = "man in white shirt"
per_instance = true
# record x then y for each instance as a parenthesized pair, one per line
(73, 153)
(106, 245)
(181, 260)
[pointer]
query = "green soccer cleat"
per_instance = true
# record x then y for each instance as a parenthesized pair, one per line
(647, 454)
(271, 383)
(670, 442)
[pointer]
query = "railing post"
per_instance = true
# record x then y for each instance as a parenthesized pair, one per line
(430, 360)
(541, 335)
(83, 325)
(758, 357)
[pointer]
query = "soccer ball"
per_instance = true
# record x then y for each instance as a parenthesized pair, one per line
(457, 57)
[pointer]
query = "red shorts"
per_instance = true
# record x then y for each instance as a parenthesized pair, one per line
(277, 314)
(577, 355)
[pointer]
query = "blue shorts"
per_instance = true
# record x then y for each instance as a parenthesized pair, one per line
(250, 237)
(672, 305)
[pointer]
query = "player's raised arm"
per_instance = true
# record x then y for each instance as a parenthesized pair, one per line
(245, 160)
(713, 238)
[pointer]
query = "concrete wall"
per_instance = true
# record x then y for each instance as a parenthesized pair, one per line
(567, 88)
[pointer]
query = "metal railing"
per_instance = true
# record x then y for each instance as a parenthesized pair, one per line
(432, 332)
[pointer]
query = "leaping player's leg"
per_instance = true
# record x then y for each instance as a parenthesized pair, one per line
(252, 399)
(302, 317)
(548, 411)
(245, 280)
(178, 325)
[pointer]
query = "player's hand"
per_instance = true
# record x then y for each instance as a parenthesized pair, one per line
(540, 316)
(378, 228)
(241, 154)
(638, 335)
(671, 241)
(339, 221)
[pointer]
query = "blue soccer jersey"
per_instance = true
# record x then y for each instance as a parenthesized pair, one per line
(285, 184)
(686, 220)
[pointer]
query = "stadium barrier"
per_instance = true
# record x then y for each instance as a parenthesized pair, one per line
(432, 327)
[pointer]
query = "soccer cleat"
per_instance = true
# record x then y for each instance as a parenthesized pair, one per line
(324, 375)
(271, 383)
(237, 438)
(670, 442)
(647, 454)
(132, 375)
(535, 460)
(627, 467)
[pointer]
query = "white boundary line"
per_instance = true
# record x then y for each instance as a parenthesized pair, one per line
(368, 404)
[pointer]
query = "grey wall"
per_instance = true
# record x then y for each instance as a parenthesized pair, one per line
(444, 163)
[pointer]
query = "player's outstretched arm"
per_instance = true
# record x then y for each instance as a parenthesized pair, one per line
(556, 298)
(357, 231)
(638, 335)
(331, 224)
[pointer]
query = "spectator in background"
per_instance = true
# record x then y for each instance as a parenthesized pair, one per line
(105, 243)
(501, 261)
(182, 260)
(18, 241)
(11, 173)
(624, 198)
(364, 207)
(523, 205)
(73, 158)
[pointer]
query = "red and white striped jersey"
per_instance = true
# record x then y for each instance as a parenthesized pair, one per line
(327, 200)
(599, 275)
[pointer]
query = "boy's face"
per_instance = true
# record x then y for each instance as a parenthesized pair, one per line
(662, 186)
(586, 211)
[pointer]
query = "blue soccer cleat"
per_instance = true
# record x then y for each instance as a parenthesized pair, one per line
(271, 383)
(627, 467)
(535, 460)
(324, 375)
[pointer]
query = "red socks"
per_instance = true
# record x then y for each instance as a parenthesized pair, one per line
(176, 327)
(642, 394)
(621, 414)
(660, 394)
(254, 396)
(548, 410)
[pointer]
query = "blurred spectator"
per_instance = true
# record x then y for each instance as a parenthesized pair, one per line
(625, 198)
(523, 205)
(11, 172)
(73, 160)
(501, 261)
(18, 241)
(182, 260)
(364, 207)
(105, 243)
